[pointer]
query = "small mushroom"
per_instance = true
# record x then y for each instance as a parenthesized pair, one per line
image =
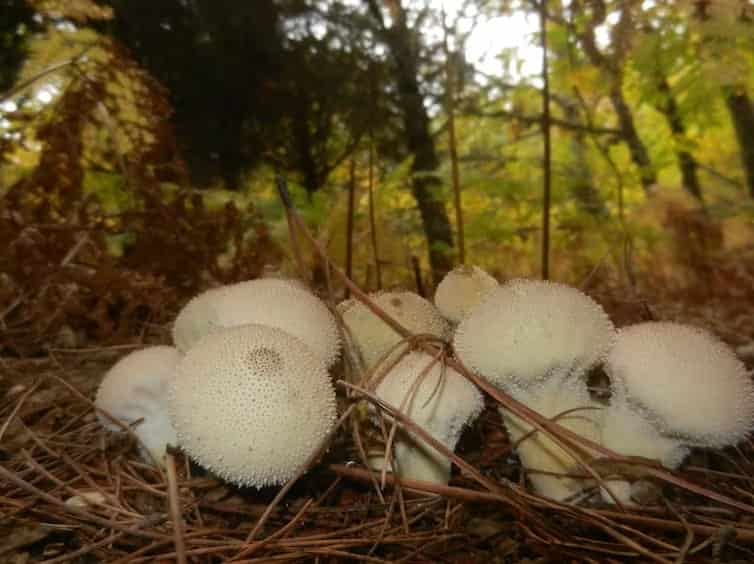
(135, 390)
(373, 338)
(462, 289)
(439, 400)
(252, 404)
(674, 387)
(537, 341)
(280, 303)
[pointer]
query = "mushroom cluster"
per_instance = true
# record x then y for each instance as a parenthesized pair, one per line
(673, 386)
(246, 392)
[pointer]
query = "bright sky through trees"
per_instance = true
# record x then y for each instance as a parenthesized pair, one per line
(492, 36)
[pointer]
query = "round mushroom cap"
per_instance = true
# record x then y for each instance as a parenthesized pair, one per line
(374, 338)
(685, 380)
(134, 389)
(526, 331)
(284, 304)
(252, 404)
(462, 289)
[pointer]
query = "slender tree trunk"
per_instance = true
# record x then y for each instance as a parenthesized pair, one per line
(639, 153)
(742, 114)
(686, 161)
(580, 180)
(452, 145)
(425, 185)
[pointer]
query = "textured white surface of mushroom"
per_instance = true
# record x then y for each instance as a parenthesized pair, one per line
(527, 331)
(136, 388)
(571, 407)
(462, 289)
(685, 380)
(252, 404)
(281, 303)
(439, 400)
(374, 338)
(674, 386)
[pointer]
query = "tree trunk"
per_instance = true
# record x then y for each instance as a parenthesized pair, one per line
(425, 184)
(742, 113)
(580, 180)
(686, 161)
(639, 153)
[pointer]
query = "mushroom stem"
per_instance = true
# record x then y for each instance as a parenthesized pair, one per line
(628, 432)
(550, 467)
(415, 460)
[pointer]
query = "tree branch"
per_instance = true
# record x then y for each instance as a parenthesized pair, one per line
(536, 119)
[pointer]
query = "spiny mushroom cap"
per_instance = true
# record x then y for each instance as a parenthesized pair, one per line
(686, 381)
(443, 401)
(136, 388)
(252, 404)
(374, 337)
(462, 289)
(528, 330)
(279, 303)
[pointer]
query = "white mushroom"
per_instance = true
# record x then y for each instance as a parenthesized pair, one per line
(373, 337)
(252, 404)
(284, 304)
(462, 289)
(439, 400)
(537, 341)
(135, 389)
(674, 387)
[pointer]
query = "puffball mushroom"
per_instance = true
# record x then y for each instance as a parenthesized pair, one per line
(673, 387)
(374, 338)
(134, 389)
(537, 341)
(461, 289)
(280, 303)
(251, 404)
(439, 400)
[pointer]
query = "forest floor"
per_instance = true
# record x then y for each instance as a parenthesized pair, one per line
(53, 454)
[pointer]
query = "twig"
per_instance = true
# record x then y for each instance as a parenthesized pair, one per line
(43, 73)
(349, 219)
(372, 220)
(418, 276)
(174, 508)
(547, 177)
(82, 513)
(288, 205)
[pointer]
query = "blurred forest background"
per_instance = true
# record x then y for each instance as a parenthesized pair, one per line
(139, 143)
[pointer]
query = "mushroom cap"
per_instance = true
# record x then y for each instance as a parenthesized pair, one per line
(684, 380)
(461, 289)
(284, 304)
(443, 403)
(252, 404)
(136, 388)
(526, 331)
(373, 337)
